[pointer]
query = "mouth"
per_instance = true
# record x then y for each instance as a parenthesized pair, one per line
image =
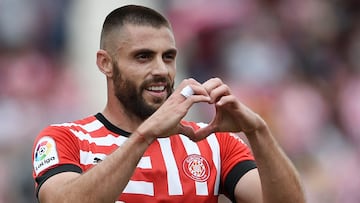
(159, 88)
(158, 91)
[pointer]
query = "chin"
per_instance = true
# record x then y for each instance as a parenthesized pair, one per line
(156, 105)
(157, 101)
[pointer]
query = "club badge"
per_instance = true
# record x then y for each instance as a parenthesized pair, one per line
(196, 167)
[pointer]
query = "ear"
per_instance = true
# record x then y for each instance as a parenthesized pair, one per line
(104, 62)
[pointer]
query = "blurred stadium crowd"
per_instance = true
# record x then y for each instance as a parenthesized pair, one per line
(297, 63)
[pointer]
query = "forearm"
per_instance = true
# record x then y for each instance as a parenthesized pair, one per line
(105, 181)
(279, 178)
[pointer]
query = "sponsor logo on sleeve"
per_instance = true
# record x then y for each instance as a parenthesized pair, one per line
(45, 154)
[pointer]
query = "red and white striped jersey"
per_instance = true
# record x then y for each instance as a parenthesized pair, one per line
(172, 169)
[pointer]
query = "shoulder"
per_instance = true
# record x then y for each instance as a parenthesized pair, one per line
(65, 132)
(85, 124)
(55, 138)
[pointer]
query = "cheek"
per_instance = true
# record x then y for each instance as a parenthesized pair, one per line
(172, 71)
(135, 75)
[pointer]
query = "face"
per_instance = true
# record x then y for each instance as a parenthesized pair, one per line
(144, 69)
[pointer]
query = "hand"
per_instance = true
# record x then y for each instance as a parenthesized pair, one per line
(231, 115)
(166, 120)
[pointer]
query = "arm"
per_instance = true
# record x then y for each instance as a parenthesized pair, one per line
(102, 183)
(277, 180)
(106, 181)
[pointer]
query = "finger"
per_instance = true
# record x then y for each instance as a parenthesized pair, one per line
(189, 81)
(227, 101)
(212, 84)
(217, 93)
(202, 133)
(199, 90)
(194, 93)
(186, 130)
(216, 89)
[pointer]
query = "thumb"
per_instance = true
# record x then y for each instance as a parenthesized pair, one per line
(202, 133)
(186, 130)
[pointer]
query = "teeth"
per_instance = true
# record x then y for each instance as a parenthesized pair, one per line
(156, 88)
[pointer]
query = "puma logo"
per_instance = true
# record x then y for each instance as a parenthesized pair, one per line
(97, 160)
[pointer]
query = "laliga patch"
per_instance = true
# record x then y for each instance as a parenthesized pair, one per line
(196, 167)
(45, 154)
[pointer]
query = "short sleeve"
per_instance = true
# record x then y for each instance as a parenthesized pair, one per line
(53, 147)
(232, 151)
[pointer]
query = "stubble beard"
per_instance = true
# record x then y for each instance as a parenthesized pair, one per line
(131, 97)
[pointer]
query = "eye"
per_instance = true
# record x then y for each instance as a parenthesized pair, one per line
(169, 57)
(143, 56)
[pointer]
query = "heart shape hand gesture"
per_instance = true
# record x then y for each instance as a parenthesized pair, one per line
(231, 115)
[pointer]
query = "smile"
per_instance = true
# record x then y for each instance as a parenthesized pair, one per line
(156, 88)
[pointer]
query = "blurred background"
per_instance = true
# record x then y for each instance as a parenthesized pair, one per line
(296, 63)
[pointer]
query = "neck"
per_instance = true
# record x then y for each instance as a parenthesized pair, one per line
(120, 117)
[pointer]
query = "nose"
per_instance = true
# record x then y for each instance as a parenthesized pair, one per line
(160, 67)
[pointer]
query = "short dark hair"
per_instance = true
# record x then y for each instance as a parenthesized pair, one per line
(131, 14)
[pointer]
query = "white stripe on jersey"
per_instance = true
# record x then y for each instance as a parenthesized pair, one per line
(100, 141)
(139, 187)
(145, 163)
(192, 148)
(215, 148)
(87, 158)
(90, 127)
(174, 183)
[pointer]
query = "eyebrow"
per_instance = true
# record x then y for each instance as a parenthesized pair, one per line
(171, 51)
(138, 51)
(150, 51)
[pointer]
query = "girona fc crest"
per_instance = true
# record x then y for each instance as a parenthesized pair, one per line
(196, 167)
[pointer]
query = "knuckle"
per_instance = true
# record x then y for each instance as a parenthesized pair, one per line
(217, 80)
(191, 80)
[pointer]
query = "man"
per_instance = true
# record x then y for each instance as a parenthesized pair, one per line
(138, 149)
